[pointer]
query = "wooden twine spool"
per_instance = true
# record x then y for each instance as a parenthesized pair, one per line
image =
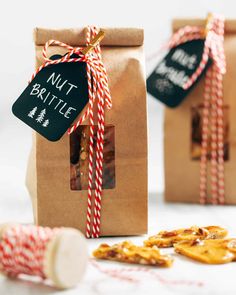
(59, 254)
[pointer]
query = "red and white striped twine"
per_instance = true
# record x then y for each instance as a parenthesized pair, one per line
(127, 274)
(99, 93)
(212, 116)
(23, 248)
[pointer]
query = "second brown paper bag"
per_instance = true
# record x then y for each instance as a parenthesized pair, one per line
(182, 130)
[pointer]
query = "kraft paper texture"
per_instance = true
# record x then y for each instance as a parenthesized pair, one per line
(124, 208)
(182, 174)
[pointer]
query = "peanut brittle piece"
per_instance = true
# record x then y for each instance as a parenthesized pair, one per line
(166, 239)
(130, 253)
(211, 251)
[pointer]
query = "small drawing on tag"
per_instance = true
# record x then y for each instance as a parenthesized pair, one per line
(45, 123)
(32, 112)
(40, 118)
(165, 86)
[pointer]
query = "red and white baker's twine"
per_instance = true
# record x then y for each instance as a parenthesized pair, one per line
(212, 120)
(99, 93)
(127, 274)
(23, 248)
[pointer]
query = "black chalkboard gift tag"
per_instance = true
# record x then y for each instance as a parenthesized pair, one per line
(54, 98)
(166, 81)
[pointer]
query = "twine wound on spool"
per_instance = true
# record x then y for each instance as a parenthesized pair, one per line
(58, 254)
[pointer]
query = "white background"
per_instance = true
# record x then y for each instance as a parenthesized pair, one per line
(17, 20)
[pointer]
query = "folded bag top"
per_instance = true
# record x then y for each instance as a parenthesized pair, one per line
(77, 37)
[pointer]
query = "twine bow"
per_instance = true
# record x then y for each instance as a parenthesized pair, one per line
(99, 93)
(212, 120)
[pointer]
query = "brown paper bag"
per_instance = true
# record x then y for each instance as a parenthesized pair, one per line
(57, 171)
(182, 131)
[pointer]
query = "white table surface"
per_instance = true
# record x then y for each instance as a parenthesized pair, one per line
(184, 277)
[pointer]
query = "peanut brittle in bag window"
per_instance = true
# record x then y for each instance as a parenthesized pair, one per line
(79, 158)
